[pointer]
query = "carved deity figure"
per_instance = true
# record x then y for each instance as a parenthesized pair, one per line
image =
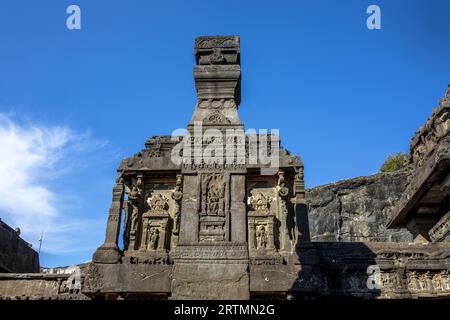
(133, 188)
(436, 281)
(134, 195)
(177, 195)
(153, 237)
(261, 237)
(213, 192)
(413, 282)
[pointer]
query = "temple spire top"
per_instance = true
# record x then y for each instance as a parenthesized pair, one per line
(217, 76)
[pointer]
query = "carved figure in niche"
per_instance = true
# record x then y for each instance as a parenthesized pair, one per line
(261, 237)
(412, 280)
(134, 192)
(153, 237)
(213, 192)
(436, 281)
(177, 195)
(134, 196)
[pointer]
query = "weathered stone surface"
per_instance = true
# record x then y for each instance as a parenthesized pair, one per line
(357, 209)
(37, 286)
(123, 278)
(16, 255)
(210, 281)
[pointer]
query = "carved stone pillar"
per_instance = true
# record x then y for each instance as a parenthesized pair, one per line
(238, 213)
(144, 235)
(300, 208)
(189, 208)
(108, 252)
(251, 235)
(270, 235)
(162, 236)
(282, 215)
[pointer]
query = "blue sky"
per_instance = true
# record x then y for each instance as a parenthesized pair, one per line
(76, 101)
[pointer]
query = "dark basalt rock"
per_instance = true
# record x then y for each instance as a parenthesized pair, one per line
(357, 209)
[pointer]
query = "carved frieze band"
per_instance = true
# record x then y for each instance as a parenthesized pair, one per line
(441, 230)
(211, 252)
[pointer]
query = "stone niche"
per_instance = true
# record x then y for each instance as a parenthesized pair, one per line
(262, 222)
(151, 218)
(270, 219)
(212, 220)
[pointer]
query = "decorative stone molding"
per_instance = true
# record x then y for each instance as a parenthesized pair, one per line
(260, 203)
(441, 230)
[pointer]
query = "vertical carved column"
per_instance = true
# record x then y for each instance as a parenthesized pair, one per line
(162, 236)
(238, 213)
(108, 252)
(252, 235)
(270, 235)
(428, 278)
(300, 209)
(144, 235)
(283, 192)
(189, 206)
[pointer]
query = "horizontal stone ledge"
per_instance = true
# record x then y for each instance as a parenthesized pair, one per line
(33, 276)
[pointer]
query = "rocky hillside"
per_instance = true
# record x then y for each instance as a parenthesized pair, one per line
(356, 209)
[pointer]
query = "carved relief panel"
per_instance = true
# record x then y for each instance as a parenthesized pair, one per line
(262, 222)
(155, 222)
(426, 281)
(213, 207)
(152, 215)
(270, 218)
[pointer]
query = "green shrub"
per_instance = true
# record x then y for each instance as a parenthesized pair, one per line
(394, 162)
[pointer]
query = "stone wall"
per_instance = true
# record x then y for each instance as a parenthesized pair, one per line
(16, 255)
(37, 286)
(357, 209)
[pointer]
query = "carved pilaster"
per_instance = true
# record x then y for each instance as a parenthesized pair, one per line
(109, 251)
(283, 212)
(300, 208)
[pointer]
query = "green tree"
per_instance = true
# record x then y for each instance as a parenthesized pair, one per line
(394, 162)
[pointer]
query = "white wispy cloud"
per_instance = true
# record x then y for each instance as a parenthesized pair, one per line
(32, 157)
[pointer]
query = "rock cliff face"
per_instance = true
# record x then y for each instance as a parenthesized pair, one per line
(357, 209)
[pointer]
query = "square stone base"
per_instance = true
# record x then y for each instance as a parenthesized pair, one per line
(211, 272)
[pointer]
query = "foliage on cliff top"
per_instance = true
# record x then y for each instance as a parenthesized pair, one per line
(394, 162)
